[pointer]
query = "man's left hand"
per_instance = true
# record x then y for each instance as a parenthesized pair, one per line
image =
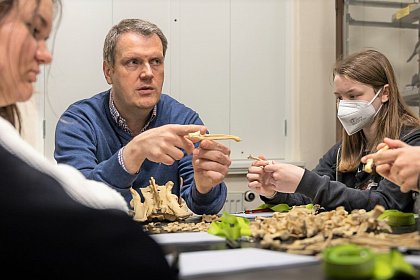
(211, 161)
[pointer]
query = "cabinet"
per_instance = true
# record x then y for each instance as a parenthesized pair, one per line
(391, 27)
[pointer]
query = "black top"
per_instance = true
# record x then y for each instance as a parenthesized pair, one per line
(46, 234)
(353, 190)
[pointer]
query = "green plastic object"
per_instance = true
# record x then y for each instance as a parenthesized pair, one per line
(402, 269)
(230, 227)
(310, 206)
(348, 261)
(396, 218)
(281, 208)
(265, 206)
(275, 207)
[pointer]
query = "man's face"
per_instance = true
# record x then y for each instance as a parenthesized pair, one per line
(138, 72)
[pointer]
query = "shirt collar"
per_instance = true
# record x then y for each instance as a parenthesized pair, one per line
(121, 122)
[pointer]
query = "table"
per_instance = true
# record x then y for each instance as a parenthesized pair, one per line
(308, 271)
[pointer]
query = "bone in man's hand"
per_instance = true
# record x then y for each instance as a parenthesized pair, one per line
(254, 158)
(369, 163)
(198, 136)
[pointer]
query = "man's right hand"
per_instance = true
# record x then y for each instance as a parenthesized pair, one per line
(161, 145)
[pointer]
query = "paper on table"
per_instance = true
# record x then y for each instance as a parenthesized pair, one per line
(413, 259)
(185, 237)
(254, 215)
(221, 261)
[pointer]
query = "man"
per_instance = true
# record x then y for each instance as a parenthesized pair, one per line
(132, 132)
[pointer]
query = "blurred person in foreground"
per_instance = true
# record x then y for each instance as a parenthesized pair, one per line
(55, 223)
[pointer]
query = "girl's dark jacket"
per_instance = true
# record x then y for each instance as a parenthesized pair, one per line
(354, 190)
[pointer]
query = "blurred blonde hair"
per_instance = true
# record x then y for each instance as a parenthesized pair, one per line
(11, 112)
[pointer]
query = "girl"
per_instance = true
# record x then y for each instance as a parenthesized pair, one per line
(370, 107)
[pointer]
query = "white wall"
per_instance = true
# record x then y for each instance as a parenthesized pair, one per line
(315, 57)
(312, 97)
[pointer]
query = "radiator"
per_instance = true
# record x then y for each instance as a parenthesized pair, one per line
(234, 202)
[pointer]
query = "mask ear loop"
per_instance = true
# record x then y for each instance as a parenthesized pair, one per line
(376, 96)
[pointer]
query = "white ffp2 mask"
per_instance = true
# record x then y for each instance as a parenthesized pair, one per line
(354, 115)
